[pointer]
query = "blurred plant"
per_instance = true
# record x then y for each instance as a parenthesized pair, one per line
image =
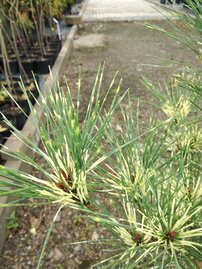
(4, 55)
(17, 31)
(56, 8)
(186, 28)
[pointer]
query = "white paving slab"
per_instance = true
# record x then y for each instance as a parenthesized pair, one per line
(120, 10)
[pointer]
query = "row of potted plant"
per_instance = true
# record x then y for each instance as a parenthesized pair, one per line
(23, 29)
(29, 42)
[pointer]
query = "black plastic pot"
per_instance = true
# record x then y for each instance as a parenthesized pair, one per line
(31, 91)
(43, 65)
(23, 103)
(19, 120)
(4, 102)
(51, 55)
(29, 65)
(30, 86)
(1, 67)
(68, 9)
(55, 38)
(14, 68)
(28, 78)
(16, 116)
(54, 45)
(3, 108)
(36, 51)
(13, 64)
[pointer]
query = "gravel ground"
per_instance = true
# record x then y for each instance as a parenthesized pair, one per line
(131, 49)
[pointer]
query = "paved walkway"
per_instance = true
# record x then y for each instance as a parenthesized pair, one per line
(120, 10)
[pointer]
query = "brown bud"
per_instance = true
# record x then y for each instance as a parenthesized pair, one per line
(66, 177)
(60, 186)
(173, 234)
(138, 238)
(133, 177)
(170, 235)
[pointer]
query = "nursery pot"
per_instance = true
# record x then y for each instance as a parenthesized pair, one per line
(29, 82)
(20, 120)
(43, 65)
(14, 68)
(68, 9)
(36, 50)
(4, 100)
(55, 45)
(52, 48)
(32, 91)
(13, 64)
(51, 56)
(28, 65)
(22, 101)
(51, 53)
(3, 108)
(15, 115)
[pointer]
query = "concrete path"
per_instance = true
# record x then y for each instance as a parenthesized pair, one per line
(121, 10)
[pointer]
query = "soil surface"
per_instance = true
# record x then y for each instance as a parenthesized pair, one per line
(134, 51)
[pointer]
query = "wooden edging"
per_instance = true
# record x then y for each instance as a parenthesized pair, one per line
(30, 131)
